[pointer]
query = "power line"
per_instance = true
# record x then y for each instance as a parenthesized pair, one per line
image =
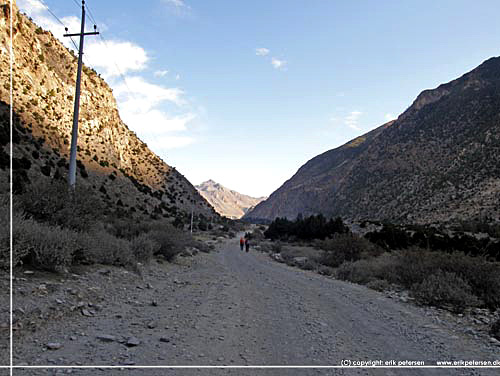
(90, 14)
(57, 19)
(52, 13)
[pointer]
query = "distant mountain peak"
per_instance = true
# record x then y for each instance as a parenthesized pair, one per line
(225, 201)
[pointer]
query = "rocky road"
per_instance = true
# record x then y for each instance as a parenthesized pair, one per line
(235, 308)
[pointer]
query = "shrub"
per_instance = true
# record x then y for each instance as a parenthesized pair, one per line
(276, 247)
(326, 270)
(344, 247)
(103, 248)
(309, 265)
(378, 285)
(411, 268)
(143, 247)
(171, 240)
(445, 289)
(52, 203)
(46, 247)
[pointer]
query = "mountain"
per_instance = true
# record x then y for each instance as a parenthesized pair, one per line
(227, 202)
(438, 162)
(112, 161)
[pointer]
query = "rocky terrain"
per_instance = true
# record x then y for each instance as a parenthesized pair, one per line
(225, 201)
(112, 160)
(438, 162)
(229, 308)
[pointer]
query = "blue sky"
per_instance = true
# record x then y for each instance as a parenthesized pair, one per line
(245, 92)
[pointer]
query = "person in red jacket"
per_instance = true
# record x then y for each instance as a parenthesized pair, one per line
(242, 243)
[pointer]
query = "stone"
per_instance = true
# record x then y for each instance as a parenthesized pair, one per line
(164, 339)
(86, 312)
(106, 338)
(151, 325)
(132, 341)
(54, 345)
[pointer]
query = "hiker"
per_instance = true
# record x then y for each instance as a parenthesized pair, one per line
(242, 243)
(247, 244)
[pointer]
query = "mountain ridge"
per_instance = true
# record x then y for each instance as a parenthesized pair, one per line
(227, 202)
(112, 160)
(437, 162)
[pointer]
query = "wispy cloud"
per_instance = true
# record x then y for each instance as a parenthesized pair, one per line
(261, 51)
(179, 6)
(277, 63)
(161, 73)
(176, 3)
(352, 119)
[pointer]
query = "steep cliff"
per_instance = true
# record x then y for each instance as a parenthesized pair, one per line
(112, 160)
(438, 162)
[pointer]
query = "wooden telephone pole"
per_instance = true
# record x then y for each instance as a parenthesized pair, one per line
(74, 132)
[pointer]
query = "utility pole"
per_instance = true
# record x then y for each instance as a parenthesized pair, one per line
(76, 112)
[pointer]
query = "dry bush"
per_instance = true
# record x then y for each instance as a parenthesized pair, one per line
(411, 268)
(127, 228)
(276, 247)
(326, 270)
(172, 241)
(103, 248)
(143, 247)
(445, 289)
(46, 247)
(289, 252)
(345, 247)
(378, 285)
(51, 202)
(266, 247)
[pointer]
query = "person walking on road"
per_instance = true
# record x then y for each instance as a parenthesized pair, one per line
(242, 243)
(247, 244)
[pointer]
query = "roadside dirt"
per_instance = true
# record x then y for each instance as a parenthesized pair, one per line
(224, 308)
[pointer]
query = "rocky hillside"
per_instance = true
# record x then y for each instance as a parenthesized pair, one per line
(227, 202)
(112, 160)
(438, 162)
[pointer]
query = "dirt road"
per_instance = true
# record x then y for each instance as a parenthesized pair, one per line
(235, 308)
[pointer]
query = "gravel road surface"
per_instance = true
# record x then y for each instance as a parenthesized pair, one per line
(235, 308)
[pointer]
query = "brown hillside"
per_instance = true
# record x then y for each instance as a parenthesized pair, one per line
(112, 160)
